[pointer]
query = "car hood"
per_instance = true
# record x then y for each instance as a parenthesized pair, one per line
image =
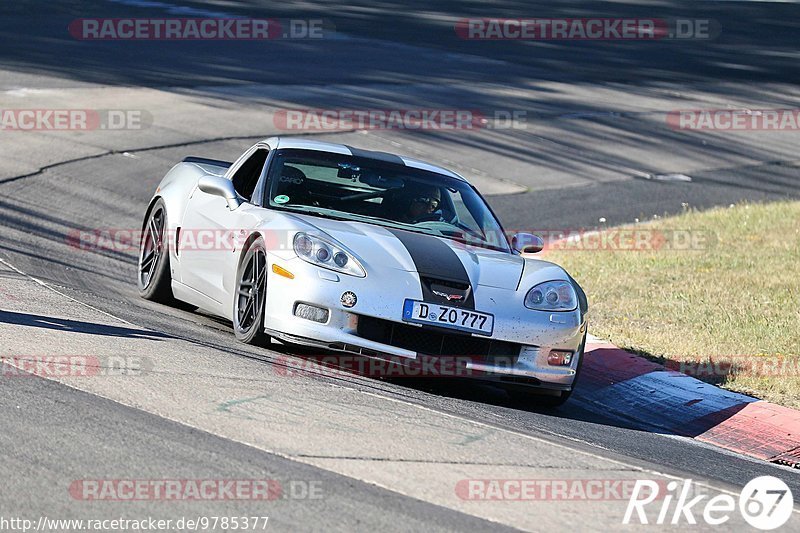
(427, 255)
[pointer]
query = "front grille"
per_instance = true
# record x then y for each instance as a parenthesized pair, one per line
(433, 341)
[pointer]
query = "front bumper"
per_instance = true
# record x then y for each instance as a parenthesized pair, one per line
(517, 351)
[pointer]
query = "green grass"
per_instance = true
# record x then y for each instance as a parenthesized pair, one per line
(735, 300)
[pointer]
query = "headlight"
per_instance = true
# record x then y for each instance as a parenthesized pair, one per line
(320, 252)
(552, 296)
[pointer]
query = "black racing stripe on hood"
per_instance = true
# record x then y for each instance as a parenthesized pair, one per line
(439, 268)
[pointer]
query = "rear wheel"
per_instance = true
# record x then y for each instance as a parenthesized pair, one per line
(153, 276)
(250, 296)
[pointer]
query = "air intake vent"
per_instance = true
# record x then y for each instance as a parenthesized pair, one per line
(445, 283)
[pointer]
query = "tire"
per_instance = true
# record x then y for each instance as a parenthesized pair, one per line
(250, 296)
(557, 400)
(153, 274)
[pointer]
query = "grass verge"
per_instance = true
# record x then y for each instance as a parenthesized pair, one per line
(715, 294)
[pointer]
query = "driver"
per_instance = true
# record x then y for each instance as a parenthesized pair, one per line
(420, 203)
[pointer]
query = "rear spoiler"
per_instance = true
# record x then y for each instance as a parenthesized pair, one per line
(205, 161)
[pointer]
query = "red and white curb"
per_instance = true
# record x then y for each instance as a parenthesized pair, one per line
(649, 396)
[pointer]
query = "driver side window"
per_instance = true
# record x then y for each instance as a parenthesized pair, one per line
(246, 178)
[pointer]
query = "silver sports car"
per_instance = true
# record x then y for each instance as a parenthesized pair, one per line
(368, 253)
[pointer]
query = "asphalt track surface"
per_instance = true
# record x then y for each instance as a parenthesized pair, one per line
(588, 155)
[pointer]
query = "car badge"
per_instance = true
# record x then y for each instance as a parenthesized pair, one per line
(449, 297)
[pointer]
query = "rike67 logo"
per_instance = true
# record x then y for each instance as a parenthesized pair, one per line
(765, 503)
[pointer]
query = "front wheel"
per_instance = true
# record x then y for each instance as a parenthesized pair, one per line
(250, 296)
(153, 276)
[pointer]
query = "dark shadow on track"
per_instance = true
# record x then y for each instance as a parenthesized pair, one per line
(77, 326)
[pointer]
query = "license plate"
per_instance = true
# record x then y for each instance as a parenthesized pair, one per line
(448, 317)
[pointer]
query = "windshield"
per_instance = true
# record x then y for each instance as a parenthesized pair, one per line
(365, 190)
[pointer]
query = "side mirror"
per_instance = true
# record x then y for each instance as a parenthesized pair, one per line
(219, 186)
(527, 243)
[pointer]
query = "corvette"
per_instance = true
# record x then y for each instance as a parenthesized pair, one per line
(366, 253)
